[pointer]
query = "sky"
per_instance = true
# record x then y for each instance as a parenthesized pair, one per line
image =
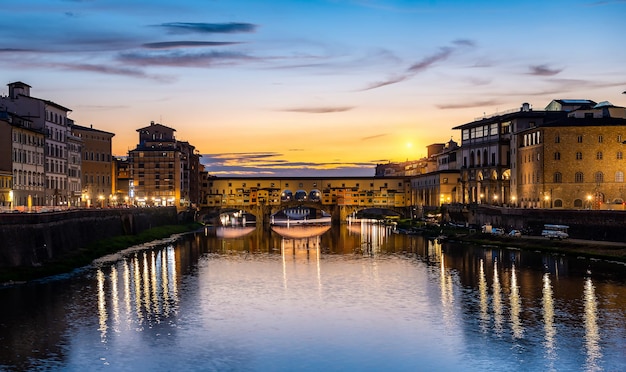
(318, 87)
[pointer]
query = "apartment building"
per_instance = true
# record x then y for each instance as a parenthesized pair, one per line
(156, 167)
(575, 162)
(22, 174)
(96, 165)
(52, 119)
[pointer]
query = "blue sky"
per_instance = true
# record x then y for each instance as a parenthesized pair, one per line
(309, 87)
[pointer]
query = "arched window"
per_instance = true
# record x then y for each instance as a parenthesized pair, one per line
(557, 156)
(578, 177)
(558, 203)
(599, 176)
(558, 177)
(619, 176)
(579, 155)
(578, 203)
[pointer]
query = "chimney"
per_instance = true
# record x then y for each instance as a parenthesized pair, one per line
(525, 107)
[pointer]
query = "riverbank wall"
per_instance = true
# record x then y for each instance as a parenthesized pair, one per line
(600, 225)
(32, 239)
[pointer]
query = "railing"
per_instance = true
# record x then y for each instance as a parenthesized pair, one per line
(497, 113)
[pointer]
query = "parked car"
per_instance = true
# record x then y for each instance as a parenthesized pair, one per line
(515, 233)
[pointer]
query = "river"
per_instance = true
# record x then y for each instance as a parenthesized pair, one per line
(350, 298)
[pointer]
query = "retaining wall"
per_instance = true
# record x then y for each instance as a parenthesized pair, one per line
(31, 239)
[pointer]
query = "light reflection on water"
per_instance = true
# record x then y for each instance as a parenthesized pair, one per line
(355, 298)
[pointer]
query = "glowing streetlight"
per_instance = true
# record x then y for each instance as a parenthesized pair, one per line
(101, 198)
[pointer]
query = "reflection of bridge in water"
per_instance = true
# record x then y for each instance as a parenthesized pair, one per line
(339, 197)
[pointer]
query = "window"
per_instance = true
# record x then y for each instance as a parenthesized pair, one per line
(578, 177)
(558, 203)
(619, 138)
(599, 176)
(619, 155)
(557, 139)
(600, 139)
(578, 203)
(558, 177)
(619, 176)
(579, 155)
(580, 139)
(599, 155)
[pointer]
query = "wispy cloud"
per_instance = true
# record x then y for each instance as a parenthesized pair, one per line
(425, 63)
(207, 28)
(318, 110)
(183, 59)
(606, 2)
(543, 70)
(187, 44)
(374, 137)
(468, 104)
(274, 164)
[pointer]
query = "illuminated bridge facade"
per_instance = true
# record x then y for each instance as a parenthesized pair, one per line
(338, 196)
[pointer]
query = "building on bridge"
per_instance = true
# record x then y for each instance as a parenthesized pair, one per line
(350, 193)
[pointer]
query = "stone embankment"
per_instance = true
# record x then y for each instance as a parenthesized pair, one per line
(32, 239)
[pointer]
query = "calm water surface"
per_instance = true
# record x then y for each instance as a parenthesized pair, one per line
(350, 298)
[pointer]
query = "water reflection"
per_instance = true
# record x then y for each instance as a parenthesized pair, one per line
(484, 299)
(373, 235)
(152, 290)
(267, 300)
(592, 334)
(516, 305)
(497, 300)
(547, 301)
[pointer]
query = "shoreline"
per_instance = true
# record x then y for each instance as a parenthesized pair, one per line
(93, 254)
(605, 250)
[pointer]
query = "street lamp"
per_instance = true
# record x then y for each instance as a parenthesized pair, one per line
(588, 201)
(547, 200)
(513, 200)
(495, 199)
(101, 198)
(481, 197)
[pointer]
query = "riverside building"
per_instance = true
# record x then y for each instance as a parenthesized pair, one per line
(22, 176)
(96, 165)
(156, 167)
(50, 118)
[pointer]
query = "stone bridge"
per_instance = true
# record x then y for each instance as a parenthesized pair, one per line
(263, 212)
(338, 196)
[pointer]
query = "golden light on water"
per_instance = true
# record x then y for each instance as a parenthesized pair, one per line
(548, 318)
(592, 333)
(484, 300)
(516, 306)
